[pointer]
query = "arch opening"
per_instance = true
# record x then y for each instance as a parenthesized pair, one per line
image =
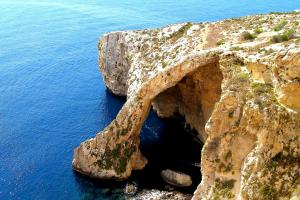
(193, 97)
(172, 137)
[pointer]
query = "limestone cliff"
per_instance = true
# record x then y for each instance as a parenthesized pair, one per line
(237, 82)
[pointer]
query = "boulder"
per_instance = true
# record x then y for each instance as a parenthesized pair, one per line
(176, 178)
(130, 188)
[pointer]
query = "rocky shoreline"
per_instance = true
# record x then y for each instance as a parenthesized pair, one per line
(159, 195)
(235, 81)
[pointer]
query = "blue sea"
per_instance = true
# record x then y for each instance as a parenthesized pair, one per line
(52, 96)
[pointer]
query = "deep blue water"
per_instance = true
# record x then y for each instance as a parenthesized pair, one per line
(51, 93)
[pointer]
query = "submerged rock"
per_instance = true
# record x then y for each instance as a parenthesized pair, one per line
(236, 82)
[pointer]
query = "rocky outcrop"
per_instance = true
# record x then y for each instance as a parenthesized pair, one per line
(236, 82)
(114, 62)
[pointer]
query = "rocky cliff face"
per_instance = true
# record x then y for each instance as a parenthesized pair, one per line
(237, 82)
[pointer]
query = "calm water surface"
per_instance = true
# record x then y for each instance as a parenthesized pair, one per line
(51, 94)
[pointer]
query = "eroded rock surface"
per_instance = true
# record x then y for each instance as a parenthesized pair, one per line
(237, 82)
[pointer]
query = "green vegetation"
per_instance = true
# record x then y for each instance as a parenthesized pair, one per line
(124, 158)
(220, 42)
(296, 23)
(236, 48)
(246, 35)
(258, 31)
(223, 189)
(237, 78)
(165, 64)
(130, 57)
(279, 176)
(284, 160)
(286, 36)
(178, 34)
(284, 13)
(280, 26)
(243, 76)
(264, 95)
(116, 158)
(261, 88)
(268, 192)
(267, 52)
(124, 131)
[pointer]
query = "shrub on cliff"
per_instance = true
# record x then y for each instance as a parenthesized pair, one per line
(286, 36)
(248, 36)
(258, 31)
(280, 26)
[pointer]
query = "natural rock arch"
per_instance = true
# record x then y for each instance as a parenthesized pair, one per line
(252, 134)
(114, 153)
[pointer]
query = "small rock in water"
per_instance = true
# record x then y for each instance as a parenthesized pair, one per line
(130, 188)
(169, 187)
(176, 178)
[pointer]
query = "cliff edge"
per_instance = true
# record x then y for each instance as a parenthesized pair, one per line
(236, 82)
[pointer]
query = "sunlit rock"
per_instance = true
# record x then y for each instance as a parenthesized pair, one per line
(176, 178)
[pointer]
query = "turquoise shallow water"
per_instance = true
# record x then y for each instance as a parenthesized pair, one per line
(51, 94)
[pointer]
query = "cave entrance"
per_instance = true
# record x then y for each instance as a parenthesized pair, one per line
(173, 135)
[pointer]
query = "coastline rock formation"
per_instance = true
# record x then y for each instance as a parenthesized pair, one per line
(236, 82)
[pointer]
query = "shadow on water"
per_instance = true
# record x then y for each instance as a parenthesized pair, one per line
(166, 143)
(169, 146)
(113, 103)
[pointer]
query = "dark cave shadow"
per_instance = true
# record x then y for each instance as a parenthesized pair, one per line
(168, 144)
